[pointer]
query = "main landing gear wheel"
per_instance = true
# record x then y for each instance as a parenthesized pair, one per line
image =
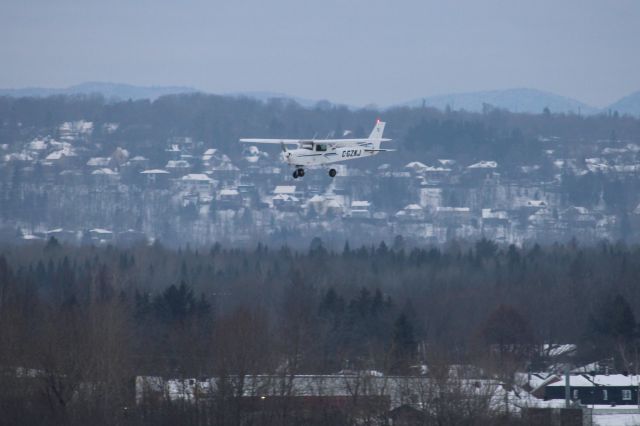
(298, 173)
(333, 173)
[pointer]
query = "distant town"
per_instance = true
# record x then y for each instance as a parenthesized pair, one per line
(64, 184)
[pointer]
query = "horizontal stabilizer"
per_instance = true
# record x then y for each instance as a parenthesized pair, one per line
(379, 150)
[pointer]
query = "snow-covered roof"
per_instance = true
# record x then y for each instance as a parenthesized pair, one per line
(453, 209)
(557, 350)
(155, 172)
(483, 165)
(360, 204)
(285, 189)
(79, 126)
(494, 214)
(228, 192)
(104, 171)
(200, 177)
(100, 231)
(30, 237)
(172, 164)
(285, 197)
(415, 165)
(98, 162)
(18, 156)
(596, 164)
(58, 155)
(334, 204)
(37, 145)
(413, 207)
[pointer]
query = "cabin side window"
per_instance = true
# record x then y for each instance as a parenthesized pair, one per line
(321, 147)
(626, 394)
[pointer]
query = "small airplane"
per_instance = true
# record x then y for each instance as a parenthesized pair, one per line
(322, 152)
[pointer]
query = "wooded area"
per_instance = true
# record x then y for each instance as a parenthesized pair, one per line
(78, 324)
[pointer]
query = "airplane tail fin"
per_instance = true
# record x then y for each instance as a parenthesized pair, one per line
(376, 134)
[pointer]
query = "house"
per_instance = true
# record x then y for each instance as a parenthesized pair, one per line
(333, 207)
(156, 178)
(453, 215)
(210, 157)
(481, 170)
(360, 209)
(73, 130)
(104, 177)
(416, 166)
(225, 172)
(98, 162)
(139, 162)
(197, 181)
(252, 154)
(178, 167)
(285, 190)
(131, 237)
(101, 236)
(173, 152)
(598, 389)
(62, 235)
(285, 202)
(228, 199)
(411, 212)
(63, 157)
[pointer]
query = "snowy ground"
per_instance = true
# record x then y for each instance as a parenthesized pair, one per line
(616, 419)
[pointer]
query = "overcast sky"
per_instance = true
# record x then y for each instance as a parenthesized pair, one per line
(353, 51)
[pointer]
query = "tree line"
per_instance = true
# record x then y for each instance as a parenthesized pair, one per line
(77, 324)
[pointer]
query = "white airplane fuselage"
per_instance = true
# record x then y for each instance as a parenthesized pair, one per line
(319, 154)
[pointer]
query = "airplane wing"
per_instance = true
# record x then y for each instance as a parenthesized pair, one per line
(274, 141)
(341, 142)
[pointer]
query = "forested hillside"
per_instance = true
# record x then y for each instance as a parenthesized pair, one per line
(218, 121)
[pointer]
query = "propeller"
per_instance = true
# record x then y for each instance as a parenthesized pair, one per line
(287, 154)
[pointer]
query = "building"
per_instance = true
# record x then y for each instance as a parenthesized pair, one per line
(599, 389)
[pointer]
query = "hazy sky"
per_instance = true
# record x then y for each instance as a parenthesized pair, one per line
(351, 51)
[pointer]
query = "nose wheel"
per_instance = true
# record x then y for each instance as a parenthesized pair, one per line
(333, 172)
(298, 173)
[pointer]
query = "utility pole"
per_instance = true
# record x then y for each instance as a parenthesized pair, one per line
(567, 387)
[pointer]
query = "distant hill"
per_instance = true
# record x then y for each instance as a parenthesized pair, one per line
(265, 96)
(128, 91)
(629, 105)
(108, 90)
(515, 100)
